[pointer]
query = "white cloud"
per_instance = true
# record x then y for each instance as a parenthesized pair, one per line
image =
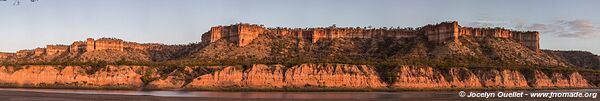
(561, 28)
(567, 28)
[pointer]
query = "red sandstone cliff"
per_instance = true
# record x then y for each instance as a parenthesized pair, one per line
(304, 76)
(301, 76)
(334, 76)
(243, 34)
(71, 76)
(446, 43)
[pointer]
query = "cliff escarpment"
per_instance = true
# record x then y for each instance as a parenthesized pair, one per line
(445, 44)
(438, 56)
(466, 52)
(280, 77)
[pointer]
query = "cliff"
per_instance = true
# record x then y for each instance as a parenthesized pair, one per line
(445, 44)
(467, 51)
(71, 76)
(279, 77)
(106, 50)
(243, 34)
(390, 58)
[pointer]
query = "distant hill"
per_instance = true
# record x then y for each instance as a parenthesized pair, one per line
(105, 50)
(581, 59)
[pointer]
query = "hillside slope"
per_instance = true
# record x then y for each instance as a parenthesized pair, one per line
(155, 54)
(469, 51)
(581, 59)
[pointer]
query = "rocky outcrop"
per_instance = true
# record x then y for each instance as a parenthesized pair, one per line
(243, 34)
(567, 80)
(577, 80)
(71, 76)
(558, 79)
(431, 78)
(228, 76)
(335, 76)
(428, 77)
(264, 76)
(463, 78)
(540, 80)
(303, 76)
(418, 77)
(502, 78)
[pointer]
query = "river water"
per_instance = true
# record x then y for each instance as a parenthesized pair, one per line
(439, 95)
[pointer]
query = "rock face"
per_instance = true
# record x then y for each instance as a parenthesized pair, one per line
(418, 77)
(428, 77)
(243, 34)
(56, 49)
(228, 76)
(462, 77)
(263, 76)
(110, 50)
(560, 80)
(232, 33)
(303, 76)
(71, 76)
(334, 76)
(502, 78)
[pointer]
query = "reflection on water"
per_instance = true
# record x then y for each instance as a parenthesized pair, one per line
(295, 95)
(378, 95)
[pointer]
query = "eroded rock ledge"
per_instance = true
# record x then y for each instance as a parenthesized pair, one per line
(304, 76)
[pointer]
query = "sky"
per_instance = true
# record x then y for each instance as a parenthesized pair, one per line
(563, 24)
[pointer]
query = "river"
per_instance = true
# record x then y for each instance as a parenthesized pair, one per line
(44, 94)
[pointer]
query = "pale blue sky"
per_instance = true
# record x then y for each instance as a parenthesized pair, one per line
(565, 24)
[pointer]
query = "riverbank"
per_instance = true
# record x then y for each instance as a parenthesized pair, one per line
(303, 77)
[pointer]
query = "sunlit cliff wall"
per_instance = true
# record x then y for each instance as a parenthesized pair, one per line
(78, 47)
(56, 49)
(243, 34)
(109, 44)
(528, 38)
(100, 44)
(39, 51)
(441, 32)
(280, 77)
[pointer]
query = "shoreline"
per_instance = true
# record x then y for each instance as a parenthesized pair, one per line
(118, 95)
(301, 78)
(301, 89)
